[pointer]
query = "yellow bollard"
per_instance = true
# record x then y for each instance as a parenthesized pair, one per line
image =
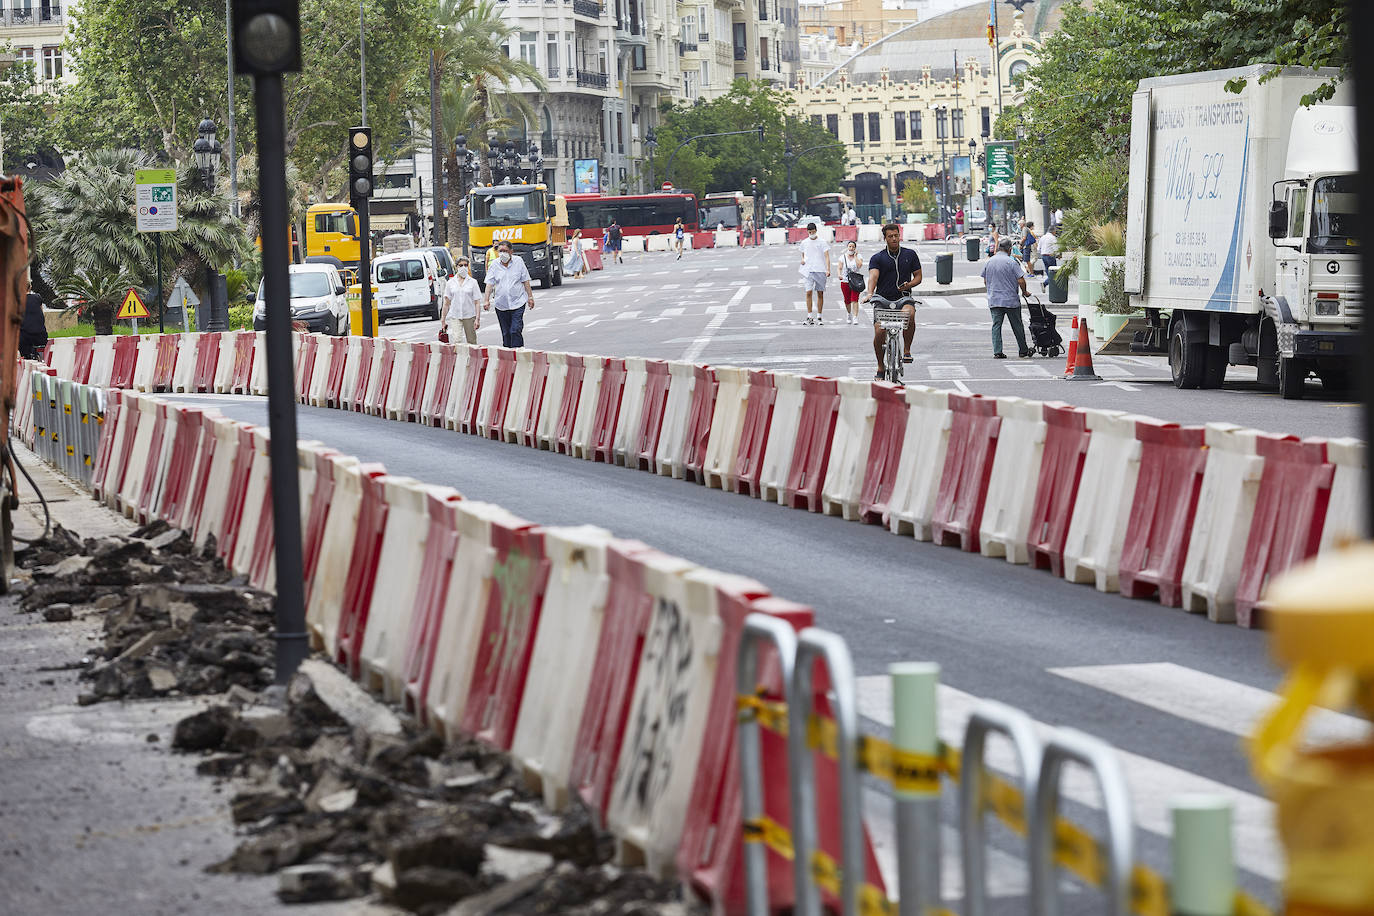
(355, 310)
(1322, 622)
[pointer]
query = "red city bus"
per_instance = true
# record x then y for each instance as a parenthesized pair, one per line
(829, 207)
(638, 214)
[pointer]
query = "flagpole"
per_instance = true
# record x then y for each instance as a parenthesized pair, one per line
(996, 53)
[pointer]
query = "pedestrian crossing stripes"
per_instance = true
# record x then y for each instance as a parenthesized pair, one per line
(1152, 783)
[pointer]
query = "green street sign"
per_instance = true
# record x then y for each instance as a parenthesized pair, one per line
(1001, 169)
(155, 196)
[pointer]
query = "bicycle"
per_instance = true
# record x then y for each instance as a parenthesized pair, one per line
(892, 318)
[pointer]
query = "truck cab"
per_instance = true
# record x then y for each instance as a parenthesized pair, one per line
(525, 215)
(1317, 301)
(331, 230)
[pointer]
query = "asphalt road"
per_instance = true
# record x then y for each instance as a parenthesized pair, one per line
(744, 307)
(1173, 692)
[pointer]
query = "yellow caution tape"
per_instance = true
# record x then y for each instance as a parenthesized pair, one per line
(768, 714)
(1075, 849)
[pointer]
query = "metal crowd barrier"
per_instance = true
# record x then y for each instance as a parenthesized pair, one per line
(68, 420)
(915, 764)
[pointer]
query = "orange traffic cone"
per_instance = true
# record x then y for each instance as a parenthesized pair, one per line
(1083, 358)
(1073, 348)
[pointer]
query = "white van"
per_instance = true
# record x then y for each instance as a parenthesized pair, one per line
(406, 285)
(317, 300)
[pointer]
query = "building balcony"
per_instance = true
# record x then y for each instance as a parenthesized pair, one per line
(46, 15)
(631, 33)
(703, 39)
(763, 64)
(686, 46)
(589, 8)
(589, 80)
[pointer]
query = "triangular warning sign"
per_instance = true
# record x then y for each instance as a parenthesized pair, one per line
(132, 306)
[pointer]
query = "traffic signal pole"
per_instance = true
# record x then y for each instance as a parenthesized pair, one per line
(359, 195)
(267, 44)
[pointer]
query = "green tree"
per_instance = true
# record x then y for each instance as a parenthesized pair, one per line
(152, 69)
(916, 197)
(26, 116)
(728, 163)
(87, 238)
(1077, 105)
(476, 77)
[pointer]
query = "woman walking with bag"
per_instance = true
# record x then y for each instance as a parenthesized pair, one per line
(852, 269)
(577, 261)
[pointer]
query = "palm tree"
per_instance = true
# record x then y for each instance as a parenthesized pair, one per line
(462, 114)
(89, 242)
(475, 76)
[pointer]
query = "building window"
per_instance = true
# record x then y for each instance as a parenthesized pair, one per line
(958, 116)
(763, 10)
(874, 127)
(987, 122)
(705, 75)
(899, 125)
(689, 31)
(637, 58)
(832, 124)
(941, 125)
(551, 54)
(741, 41)
(858, 128)
(915, 121)
(816, 120)
(603, 53)
(52, 63)
(703, 23)
(529, 43)
(546, 140)
(763, 54)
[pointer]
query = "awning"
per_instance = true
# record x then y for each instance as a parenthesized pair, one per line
(387, 221)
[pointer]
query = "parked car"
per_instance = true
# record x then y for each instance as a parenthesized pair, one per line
(976, 219)
(445, 259)
(406, 285)
(318, 300)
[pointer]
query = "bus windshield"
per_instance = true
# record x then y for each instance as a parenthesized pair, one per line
(714, 214)
(636, 215)
(827, 208)
(1335, 210)
(506, 209)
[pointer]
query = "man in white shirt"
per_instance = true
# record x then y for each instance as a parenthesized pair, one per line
(1049, 252)
(460, 297)
(508, 287)
(815, 268)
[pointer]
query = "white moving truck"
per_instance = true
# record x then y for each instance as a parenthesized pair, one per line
(1241, 239)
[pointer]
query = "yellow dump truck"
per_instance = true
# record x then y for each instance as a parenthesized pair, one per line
(534, 221)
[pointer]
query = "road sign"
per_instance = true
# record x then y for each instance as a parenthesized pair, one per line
(132, 306)
(182, 294)
(1001, 169)
(155, 194)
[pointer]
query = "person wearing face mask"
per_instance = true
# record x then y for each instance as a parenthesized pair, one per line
(508, 288)
(460, 296)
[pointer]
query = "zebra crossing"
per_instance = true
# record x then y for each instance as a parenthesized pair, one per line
(1201, 699)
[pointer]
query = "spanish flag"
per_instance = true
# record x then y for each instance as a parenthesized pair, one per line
(992, 33)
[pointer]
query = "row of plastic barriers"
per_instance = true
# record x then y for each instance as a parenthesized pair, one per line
(603, 666)
(707, 723)
(1196, 517)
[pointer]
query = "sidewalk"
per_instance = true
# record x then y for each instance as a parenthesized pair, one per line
(96, 813)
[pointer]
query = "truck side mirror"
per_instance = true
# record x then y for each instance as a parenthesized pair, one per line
(553, 211)
(1278, 219)
(351, 225)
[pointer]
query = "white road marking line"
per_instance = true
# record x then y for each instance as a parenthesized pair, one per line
(669, 285)
(1029, 371)
(713, 325)
(1207, 699)
(672, 312)
(583, 319)
(948, 370)
(761, 307)
(634, 289)
(1151, 782)
(937, 302)
(626, 316)
(962, 387)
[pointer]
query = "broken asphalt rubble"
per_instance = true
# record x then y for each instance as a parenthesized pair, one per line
(338, 796)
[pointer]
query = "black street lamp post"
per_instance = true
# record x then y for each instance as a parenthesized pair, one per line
(214, 316)
(651, 144)
(467, 176)
(942, 128)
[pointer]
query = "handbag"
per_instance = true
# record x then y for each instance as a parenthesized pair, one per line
(443, 335)
(855, 280)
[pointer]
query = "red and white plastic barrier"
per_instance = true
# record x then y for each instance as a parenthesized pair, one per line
(1092, 550)
(1005, 528)
(854, 424)
(669, 459)
(782, 438)
(923, 460)
(727, 427)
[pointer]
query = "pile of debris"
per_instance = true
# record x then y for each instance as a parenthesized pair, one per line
(175, 622)
(346, 799)
(343, 799)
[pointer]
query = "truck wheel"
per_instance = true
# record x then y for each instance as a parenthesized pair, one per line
(558, 274)
(1267, 371)
(1187, 356)
(545, 281)
(1292, 378)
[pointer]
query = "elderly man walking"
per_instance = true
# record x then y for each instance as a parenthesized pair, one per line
(508, 289)
(1003, 275)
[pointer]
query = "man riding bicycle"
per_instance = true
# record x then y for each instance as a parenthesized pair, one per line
(893, 273)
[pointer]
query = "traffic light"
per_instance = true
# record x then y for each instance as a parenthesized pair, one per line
(753, 187)
(359, 166)
(267, 36)
(760, 133)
